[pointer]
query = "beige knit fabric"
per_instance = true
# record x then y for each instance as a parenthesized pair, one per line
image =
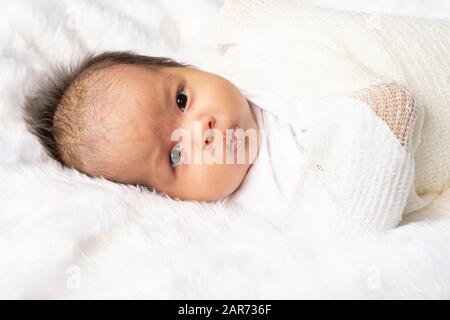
(395, 106)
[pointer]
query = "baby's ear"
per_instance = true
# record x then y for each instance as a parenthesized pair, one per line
(395, 106)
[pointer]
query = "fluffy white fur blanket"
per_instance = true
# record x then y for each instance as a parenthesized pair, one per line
(63, 235)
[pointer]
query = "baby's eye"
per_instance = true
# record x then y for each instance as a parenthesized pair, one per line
(181, 100)
(175, 156)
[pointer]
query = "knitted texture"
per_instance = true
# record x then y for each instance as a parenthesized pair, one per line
(421, 47)
(358, 176)
(395, 106)
(370, 191)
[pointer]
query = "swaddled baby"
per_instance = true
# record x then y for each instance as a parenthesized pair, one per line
(184, 132)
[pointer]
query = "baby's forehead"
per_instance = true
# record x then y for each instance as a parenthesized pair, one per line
(125, 73)
(139, 84)
(119, 77)
(105, 87)
(133, 98)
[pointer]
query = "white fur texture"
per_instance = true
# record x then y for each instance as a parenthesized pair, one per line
(64, 235)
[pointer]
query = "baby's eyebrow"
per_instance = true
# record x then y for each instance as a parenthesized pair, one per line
(168, 80)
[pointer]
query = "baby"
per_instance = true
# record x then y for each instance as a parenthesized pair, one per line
(194, 135)
(150, 121)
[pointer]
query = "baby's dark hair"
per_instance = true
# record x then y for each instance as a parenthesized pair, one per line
(56, 111)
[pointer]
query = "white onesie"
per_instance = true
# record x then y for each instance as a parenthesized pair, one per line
(269, 182)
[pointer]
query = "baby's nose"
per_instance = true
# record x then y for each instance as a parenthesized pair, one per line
(208, 123)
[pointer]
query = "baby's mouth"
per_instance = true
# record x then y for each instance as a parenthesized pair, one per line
(231, 138)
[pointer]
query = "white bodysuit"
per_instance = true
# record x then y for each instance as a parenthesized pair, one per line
(269, 182)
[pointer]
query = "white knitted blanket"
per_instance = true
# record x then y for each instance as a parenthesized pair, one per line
(357, 177)
(336, 53)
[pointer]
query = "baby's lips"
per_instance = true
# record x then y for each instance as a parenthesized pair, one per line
(229, 136)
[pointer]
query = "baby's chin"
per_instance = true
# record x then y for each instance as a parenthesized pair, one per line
(241, 181)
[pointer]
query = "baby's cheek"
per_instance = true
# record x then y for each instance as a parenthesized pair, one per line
(225, 179)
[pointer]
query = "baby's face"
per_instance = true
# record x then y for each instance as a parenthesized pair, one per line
(161, 137)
